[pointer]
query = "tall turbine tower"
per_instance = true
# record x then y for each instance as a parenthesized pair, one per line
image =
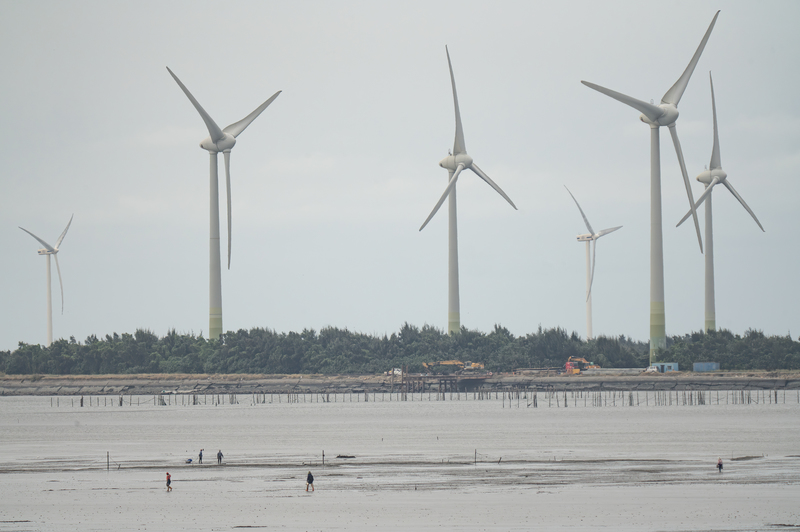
(591, 239)
(219, 140)
(710, 178)
(49, 250)
(665, 114)
(454, 163)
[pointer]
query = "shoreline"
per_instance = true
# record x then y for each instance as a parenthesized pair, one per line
(153, 384)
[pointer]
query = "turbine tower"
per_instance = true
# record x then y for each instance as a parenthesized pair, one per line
(591, 239)
(665, 114)
(710, 178)
(219, 140)
(49, 250)
(454, 163)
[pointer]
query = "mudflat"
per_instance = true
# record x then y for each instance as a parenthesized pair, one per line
(428, 464)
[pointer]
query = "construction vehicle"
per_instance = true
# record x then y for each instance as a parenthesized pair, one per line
(575, 365)
(451, 366)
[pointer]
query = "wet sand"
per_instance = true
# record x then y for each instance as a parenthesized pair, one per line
(449, 465)
(759, 494)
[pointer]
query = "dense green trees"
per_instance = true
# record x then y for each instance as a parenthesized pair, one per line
(751, 351)
(340, 351)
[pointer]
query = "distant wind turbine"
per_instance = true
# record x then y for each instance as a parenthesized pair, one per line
(454, 163)
(219, 140)
(713, 176)
(591, 239)
(665, 114)
(49, 250)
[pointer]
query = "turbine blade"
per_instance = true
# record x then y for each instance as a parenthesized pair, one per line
(458, 145)
(585, 219)
(213, 128)
(741, 200)
(450, 186)
(47, 246)
(237, 127)
(653, 112)
(700, 200)
(58, 243)
(674, 94)
(58, 269)
(482, 175)
(591, 280)
(674, 132)
(715, 159)
(606, 231)
(227, 154)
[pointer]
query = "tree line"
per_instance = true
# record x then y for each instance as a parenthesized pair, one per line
(333, 350)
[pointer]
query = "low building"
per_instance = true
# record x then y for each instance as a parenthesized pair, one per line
(665, 367)
(705, 366)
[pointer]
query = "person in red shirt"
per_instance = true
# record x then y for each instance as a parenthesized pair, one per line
(169, 481)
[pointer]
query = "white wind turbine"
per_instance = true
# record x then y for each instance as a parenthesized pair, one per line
(591, 239)
(219, 140)
(49, 250)
(711, 177)
(664, 114)
(454, 163)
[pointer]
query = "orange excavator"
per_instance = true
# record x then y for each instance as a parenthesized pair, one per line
(575, 365)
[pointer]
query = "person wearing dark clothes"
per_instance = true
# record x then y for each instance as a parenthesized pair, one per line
(200, 456)
(169, 481)
(219, 456)
(310, 481)
(719, 465)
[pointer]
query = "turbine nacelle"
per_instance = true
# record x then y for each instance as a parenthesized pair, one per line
(668, 117)
(707, 176)
(717, 175)
(222, 140)
(48, 250)
(591, 240)
(451, 162)
(224, 144)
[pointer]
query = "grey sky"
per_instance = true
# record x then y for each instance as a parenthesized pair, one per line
(332, 182)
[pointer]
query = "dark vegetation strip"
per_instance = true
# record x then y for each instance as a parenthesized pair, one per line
(340, 351)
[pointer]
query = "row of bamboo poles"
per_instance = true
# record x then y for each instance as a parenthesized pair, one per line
(513, 397)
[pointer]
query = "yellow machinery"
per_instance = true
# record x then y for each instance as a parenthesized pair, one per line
(575, 365)
(456, 365)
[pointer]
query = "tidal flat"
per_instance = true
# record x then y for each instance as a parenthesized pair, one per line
(426, 464)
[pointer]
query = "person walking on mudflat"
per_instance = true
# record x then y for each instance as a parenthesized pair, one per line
(169, 481)
(200, 456)
(719, 465)
(219, 456)
(310, 481)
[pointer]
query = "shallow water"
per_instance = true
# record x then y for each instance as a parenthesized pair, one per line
(463, 464)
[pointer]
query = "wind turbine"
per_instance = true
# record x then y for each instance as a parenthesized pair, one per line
(454, 163)
(49, 250)
(219, 140)
(591, 239)
(711, 177)
(664, 114)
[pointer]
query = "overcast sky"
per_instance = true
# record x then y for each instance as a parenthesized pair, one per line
(332, 182)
